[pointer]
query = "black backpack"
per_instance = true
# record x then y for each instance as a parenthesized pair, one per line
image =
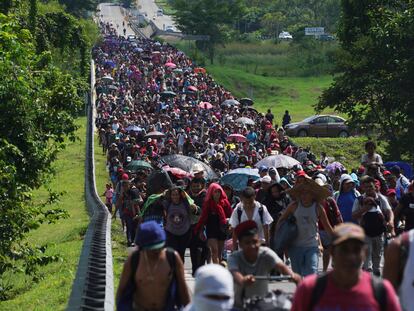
(240, 212)
(377, 285)
(373, 222)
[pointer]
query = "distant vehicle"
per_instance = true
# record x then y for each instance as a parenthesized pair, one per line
(326, 37)
(169, 28)
(285, 35)
(154, 17)
(160, 12)
(131, 38)
(320, 126)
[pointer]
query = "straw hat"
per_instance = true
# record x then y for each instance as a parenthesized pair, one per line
(309, 185)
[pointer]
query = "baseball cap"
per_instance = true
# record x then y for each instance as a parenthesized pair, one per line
(245, 227)
(301, 173)
(348, 231)
(150, 236)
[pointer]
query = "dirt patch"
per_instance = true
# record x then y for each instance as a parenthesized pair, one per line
(294, 94)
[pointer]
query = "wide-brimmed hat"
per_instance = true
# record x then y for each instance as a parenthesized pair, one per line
(319, 193)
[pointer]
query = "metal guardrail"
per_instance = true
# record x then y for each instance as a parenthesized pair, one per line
(93, 287)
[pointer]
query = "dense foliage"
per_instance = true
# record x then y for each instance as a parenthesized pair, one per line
(376, 87)
(39, 102)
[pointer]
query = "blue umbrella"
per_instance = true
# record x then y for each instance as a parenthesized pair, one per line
(138, 50)
(239, 177)
(110, 63)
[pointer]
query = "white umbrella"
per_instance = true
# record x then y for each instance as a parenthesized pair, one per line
(245, 121)
(107, 79)
(278, 160)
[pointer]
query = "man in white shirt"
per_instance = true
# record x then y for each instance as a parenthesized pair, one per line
(250, 209)
(402, 181)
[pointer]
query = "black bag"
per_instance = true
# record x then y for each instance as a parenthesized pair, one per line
(285, 235)
(373, 222)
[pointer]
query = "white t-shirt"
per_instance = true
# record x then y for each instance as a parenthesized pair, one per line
(267, 219)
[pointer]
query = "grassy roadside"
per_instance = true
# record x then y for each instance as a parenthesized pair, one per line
(348, 151)
(65, 238)
(119, 246)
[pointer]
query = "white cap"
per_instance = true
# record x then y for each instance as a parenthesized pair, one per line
(266, 179)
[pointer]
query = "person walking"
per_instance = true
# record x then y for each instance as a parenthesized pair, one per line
(215, 211)
(307, 209)
(286, 119)
(149, 272)
(179, 208)
(347, 286)
(374, 214)
(346, 196)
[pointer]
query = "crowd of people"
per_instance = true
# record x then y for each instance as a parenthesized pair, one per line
(153, 101)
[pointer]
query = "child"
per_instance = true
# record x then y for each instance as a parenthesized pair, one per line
(109, 193)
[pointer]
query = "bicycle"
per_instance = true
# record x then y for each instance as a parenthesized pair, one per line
(275, 300)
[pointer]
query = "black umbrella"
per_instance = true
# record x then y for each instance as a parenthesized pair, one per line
(168, 94)
(187, 164)
(246, 102)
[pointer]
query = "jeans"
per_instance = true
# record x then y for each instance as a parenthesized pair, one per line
(131, 228)
(179, 242)
(375, 250)
(304, 260)
(198, 252)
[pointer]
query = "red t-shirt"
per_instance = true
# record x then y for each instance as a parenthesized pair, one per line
(358, 298)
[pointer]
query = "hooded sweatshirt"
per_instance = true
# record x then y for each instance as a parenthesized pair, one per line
(345, 200)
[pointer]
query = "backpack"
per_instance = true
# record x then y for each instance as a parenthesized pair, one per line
(240, 212)
(377, 285)
(333, 218)
(125, 302)
(373, 222)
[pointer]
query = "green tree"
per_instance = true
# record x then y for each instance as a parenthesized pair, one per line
(79, 7)
(375, 88)
(273, 23)
(38, 108)
(206, 17)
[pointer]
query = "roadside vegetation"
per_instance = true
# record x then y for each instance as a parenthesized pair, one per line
(64, 239)
(44, 48)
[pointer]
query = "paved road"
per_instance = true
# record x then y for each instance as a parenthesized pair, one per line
(112, 13)
(149, 7)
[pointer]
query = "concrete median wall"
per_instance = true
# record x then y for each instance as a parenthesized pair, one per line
(93, 287)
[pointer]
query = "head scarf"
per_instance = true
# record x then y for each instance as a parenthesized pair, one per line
(221, 208)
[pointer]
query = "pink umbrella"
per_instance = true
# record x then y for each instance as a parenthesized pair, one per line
(170, 65)
(177, 172)
(205, 105)
(236, 137)
(193, 88)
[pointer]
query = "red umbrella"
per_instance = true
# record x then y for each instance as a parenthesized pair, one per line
(170, 65)
(199, 70)
(205, 105)
(237, 137)
(192, 88)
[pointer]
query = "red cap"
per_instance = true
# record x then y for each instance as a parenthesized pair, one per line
(244, 226)
(125, 177)
(120, 170)
(361, 169)
(391, 192)
(385, 173)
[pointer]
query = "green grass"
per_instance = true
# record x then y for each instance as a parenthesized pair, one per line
(65, 238)
(348, 151)
(280, 77)
(119, 246)
(295, 94)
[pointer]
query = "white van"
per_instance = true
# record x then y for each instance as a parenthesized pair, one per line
(160, 12)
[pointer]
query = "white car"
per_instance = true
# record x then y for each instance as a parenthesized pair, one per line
(170, 28)
(285, 35)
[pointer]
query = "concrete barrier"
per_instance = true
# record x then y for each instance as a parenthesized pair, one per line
(93, 287)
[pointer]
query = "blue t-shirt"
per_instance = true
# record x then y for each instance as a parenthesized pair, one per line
(345, 203)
